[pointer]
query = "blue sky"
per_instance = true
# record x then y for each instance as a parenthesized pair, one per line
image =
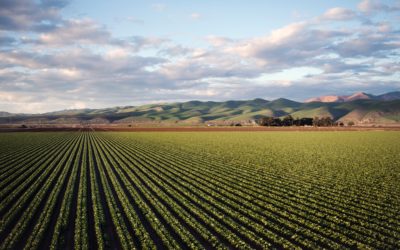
(177, 19)
(60, 54)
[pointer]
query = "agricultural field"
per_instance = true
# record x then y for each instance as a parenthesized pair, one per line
(200, 190)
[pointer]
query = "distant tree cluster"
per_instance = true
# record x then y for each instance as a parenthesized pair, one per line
(323, 121)
(290, 121)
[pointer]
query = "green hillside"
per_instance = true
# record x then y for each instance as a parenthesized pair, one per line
(197, 112)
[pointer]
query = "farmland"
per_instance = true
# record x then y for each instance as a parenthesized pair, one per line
(180, 190)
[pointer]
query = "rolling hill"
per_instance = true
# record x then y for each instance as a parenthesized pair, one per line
(383, 109)
(356, 96)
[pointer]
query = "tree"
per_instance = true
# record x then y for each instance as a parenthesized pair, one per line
(288, 121)
(263, 121)
(306, 121)
(323, 121)
(316, 121)
(326, 121)
(276, 122)
(350, 123)
(266, 121)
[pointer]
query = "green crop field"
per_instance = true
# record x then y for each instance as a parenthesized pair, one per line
(200, 190)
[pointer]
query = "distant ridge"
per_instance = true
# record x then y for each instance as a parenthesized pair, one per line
(5, 114)
(360, 108)
(356, 96)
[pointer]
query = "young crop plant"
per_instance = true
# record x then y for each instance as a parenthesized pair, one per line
(208, 190)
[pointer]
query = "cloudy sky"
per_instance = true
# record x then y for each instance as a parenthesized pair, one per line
(65, 54)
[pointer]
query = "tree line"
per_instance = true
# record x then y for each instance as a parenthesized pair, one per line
(290, 121)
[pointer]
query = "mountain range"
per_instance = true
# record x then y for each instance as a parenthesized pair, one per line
(360, 108)
(356, 96)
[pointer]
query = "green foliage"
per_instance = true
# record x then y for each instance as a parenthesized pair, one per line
(209, 190)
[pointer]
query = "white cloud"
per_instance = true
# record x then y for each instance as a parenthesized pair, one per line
(340, 14)
(159, 7)
(384, 27)
(76, 31)
(78, 105)
(293, 45)
(84, 59)
(116, 53)
(29, 15)
(219, 41)
(8, 97)
(195, 16)
(370, 6)
(272, 42)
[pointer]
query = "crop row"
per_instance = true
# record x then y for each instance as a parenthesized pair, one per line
(101, 190)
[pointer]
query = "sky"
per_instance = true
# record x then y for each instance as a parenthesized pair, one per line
(61, 54)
